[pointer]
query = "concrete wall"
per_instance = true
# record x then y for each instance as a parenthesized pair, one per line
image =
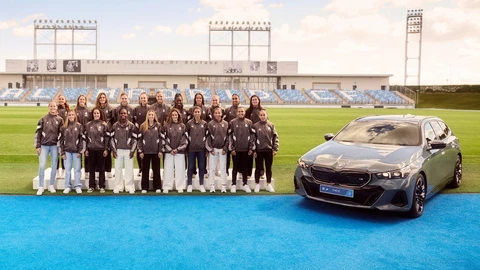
(7, 78)
(133, 80)
(346, 83)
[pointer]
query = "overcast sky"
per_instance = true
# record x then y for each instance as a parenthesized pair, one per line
(324, 36)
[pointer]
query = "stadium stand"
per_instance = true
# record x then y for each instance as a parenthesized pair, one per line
(190, 94)
(10, 94)
(42, 94)
(112, 94)
(134, 94)
(226, 95)
(71, 94)
(354, 97)
(386, 97)
(169, 94)
(323, 97)
(291, 96)
(264, 95)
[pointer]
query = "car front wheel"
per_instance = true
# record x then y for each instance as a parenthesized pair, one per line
(457, 174)
(419, 195)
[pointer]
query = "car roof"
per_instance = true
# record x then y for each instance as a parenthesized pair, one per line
(396, 117)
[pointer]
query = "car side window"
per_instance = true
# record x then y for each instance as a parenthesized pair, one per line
(438, 130)
(428, 132)
(445, 128)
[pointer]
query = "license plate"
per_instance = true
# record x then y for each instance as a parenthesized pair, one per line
(336, 191)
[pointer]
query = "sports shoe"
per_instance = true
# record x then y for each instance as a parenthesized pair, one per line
(189, 188)
(40, 191)
(102, 190)
(257, 188)
(270, 188)
(78, 190)
(202, 189)
(224, 189)
(87, 175)
(158, 191)
(66, 191)
(144, 191)
(180, 190)
(132, 191)
(90, 190)
(233, 189)
(212, 189)
(165, 191)
(51, 189)
(116, 191)
(109, 175)
(247, 189)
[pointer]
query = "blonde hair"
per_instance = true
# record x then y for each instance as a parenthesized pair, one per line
(144, 125)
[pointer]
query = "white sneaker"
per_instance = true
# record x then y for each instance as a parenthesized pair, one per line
(224, 189)
(132, 191)
(109, 175)
(189, 188)
(233, 189)
(247, 189)
(257, 188)
(90, 190)
(78, 190)
(116, 191)
(270, 188)
(180, 191)
(87, 175)
(102, 190)
(202, 189)
(40, 191)
(158, 191)
(51, 189)
(165, 191)
(212, 189)
(66, 191)
(144, 191)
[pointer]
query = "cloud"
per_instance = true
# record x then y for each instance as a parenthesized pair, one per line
(128, 36)
(32, 17)
(7, 24)
(443, 23)
(138, 27)
(348, 46)
(24, 31)
(279, 5)
(163, 29)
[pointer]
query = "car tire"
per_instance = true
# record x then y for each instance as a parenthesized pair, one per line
(457, 174)
(419, 197)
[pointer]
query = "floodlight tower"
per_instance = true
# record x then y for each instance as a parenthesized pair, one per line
(414, 26)
(49, 27)
(233, 27)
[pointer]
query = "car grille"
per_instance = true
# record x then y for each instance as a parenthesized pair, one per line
(343, 178)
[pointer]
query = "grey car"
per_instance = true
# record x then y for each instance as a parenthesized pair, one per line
(385, 162)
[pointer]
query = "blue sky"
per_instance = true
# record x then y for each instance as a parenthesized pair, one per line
(325, 37)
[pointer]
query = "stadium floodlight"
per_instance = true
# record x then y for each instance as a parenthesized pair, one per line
(210, 22)
(34, 21)
(84, 21)
(95, 21)
(224, 28)
(254, 23)
(243, 22)
(89, 21)
(221, 22)
(238, 22)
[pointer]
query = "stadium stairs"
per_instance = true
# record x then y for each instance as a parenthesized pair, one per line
(27, 94)
(338, 96)
(279, 100)
(307, 97)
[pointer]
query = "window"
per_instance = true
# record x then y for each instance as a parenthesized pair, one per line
(429, 133)
(192, 86)
(383, 87)
(438, 130)
(292, 87)
(354, 87)
(284, 86)
(445, 128)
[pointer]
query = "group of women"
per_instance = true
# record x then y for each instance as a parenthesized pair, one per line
(195, 139)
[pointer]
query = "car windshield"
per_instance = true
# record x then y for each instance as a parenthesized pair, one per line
(381, 132)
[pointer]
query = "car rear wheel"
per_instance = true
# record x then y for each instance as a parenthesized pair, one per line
(457, 174)
(419, 196)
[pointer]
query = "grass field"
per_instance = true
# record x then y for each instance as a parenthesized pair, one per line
(299, 129)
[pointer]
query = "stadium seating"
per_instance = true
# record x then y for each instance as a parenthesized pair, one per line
(71, 94)
(134, 94)
(12, 94)
(190, 94)
(386, 97)
(169, 94)
(323, 97)
(112, 94)
(264, 95)
(42, 94)
(291, 96)
(226, 95)
(354, 97)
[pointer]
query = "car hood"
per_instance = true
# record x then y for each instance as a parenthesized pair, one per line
(364, 157)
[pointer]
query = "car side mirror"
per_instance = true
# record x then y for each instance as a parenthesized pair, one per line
(328, 136)
(437, 144)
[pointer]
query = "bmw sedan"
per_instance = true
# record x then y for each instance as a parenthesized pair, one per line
(384, 162)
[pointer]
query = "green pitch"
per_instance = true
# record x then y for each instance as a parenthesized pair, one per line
(299, 130)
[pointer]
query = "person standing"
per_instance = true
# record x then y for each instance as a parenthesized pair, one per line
(215, 104)
(253, 113)
(150, 149)
(123, 105)
(175, 144)
(240, 145)
(83, 117)
(71, 149)
(217, 144)
(63, 107)
(161, 109)
(123, 142)
(103, 105)
(198, 101)
(265, 148)
(196, 131)
(178, 104)
(46, 142)
(230, 114)
(139, 116)
(97, 137)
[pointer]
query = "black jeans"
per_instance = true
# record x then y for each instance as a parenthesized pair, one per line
(240, 165)
(96, 163)
(157, 179)
(262, 157)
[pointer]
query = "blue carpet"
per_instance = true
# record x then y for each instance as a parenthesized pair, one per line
(231, 232)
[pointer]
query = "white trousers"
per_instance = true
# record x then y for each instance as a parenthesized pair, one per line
(174, 171)
(222, 160)
(123, 157)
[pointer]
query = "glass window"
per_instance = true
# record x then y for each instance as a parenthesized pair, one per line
(429, 133)
(438, 130)
(445, 128)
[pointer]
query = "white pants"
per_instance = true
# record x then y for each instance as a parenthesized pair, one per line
(123, 157)
(174, 171)
(222, 160)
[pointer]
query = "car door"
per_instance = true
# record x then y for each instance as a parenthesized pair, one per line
(432, 158)
(450, 156)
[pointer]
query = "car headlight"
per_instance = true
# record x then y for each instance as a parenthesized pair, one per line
(302, 164)
(398, 174)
